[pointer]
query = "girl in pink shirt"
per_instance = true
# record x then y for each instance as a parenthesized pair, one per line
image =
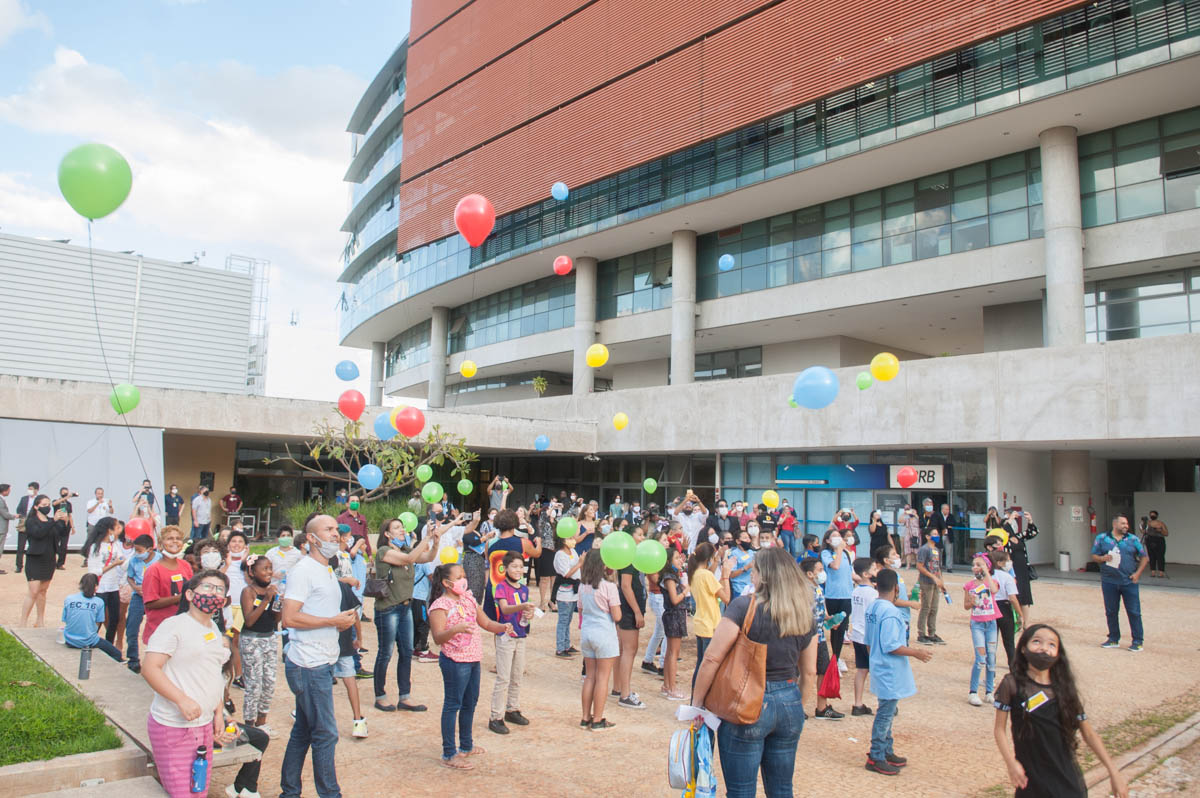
(980, 601)
(454, 620)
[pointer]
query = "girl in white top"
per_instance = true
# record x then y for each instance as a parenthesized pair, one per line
(1007, 599)
(566, 565)
(106, 557)
(235, 552)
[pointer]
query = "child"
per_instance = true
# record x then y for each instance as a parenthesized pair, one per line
(349, 548)
(422, 573)
(82, 614)
(980, 601)
(1006, 597)
(344, 667)
(815, 571)
(674, 621)
(932, 587)
(512, 601)
(257, 640)
(811, 548)
(599, 610)
(886, 558)
(706, 590)
(454, 621)
(1040, 695)
(143, 557)
(163, 583)
(863, 596)
(891, 673)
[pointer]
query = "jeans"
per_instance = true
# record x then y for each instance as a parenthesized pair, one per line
(563, 633)
(200, 531)
(654, 603)
(394, 628)
(768, 744)
(701, 647)
(788, 541)
(133, 626)
(983, 635)
(247, 775)
(460, 683)
(315, 726)
(1113, 594)
(105, 646)
(112, 611)
(881, 729)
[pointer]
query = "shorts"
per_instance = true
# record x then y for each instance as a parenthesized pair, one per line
(822, 657)
(862, 657)
(601, 645)
(343, 668)
(627, 621)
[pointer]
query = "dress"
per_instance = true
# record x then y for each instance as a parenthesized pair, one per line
(598, 636)
(1020, 560)
(41, 556)
(1038, 741)
(674, 618)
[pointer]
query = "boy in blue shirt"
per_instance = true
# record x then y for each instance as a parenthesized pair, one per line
(422, 572)
(891, 673)
(144, 556)
(743, 561)
(82, 615)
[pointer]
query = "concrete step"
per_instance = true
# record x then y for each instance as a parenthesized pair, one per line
(144, 787)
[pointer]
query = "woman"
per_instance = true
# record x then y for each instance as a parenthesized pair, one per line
(395, 556)
(633, 618)
(783, 620)
(600, 607)
(839, 584)
(545, 564)
(588, 526)
(236, 547)
(992, 520)
(567, 564)
(183, 665)
(106, 558)
(143, 510)
(706, 590)
(1020, 556)
(1155, 538)
(878, 531)
(908, 526)
(42, 528)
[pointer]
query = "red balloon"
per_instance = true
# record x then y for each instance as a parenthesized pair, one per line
(906, 477)
(562, 265)
(474, 217)
(135, 527)
(351, 403)
(410, 421)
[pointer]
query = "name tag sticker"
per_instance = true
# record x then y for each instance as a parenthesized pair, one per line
(210, 636)
(257, 602)
(176, 577)
(1035, 701)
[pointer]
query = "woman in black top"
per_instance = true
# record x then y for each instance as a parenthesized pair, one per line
(879, 532)
(1040, 696)
(633, 618)
(43, 527)
(1020, 557)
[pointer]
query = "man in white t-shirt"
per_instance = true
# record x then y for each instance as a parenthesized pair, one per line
(313, 616)
(692, 515)
(98, 508)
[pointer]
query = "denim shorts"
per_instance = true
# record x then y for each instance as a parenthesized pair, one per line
(344, 667)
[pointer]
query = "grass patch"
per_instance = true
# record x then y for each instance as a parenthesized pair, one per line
(41, 716)
(261, 548)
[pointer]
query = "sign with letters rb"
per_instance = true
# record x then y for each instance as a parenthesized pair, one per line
(929, 477)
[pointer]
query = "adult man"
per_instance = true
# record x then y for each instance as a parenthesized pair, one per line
(98, 508)
(692, 515)
(173, 504)
(63, 503)
(5, 517)
(231, 503)
(720, 522)
(1122, 559)
(311, 613)
(201, 513)
(1156, 545)
(23, 508)
(357, 522)
(146, 492)
(497, 489)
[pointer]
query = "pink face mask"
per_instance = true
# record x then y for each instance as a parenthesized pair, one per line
(459, 587)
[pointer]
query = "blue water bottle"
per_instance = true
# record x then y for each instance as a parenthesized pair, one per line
(946, 595)
(200, 770)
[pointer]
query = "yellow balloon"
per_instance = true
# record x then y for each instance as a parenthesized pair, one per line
(468, 369)
(395, 412)
(620, 421)
(885, 366)
(1000, 533)
(597, 355)
(448, 555)
(770, 498)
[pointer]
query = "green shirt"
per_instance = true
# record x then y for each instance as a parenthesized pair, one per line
(401, 588)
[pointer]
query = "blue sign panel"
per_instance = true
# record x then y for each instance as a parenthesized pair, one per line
(841, 477)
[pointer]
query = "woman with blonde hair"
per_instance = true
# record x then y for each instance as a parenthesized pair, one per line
(782, 620)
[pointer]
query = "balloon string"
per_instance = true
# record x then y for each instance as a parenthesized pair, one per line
(104, 357)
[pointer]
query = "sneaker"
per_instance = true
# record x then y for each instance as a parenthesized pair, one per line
(1136, 647)
(898, 761)
(973, 700)
(239, 683)
(632, 702)
(922, 639)
(829, 713)
(362, 651)
(497, 726)
(361, 674)
(360, 728)
(842, 666)
(615, 693)
(563, 654)
(648, 667)
(863, 710)
(427, 656)
(229, 707)
(989, 699)
(573, 650)
(884, 767)
(515, 716)
(267, 730)
(234, 792)
(937, 640)
(135, 667)
(1110, 644)
(601, 725)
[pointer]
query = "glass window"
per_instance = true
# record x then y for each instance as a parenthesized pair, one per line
(1008, 227)
(759, 472)
(1137, 164)
(1144, 199)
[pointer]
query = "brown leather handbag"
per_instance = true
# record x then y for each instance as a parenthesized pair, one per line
(736, 694)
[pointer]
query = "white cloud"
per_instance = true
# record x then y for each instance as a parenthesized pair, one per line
(15, 16)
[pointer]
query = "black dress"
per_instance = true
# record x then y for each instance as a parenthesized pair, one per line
(879, 538)
(41, 548)
(1020, 559)
(674, 617)
(1038, 742)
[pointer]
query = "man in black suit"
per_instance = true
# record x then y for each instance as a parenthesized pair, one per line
(23, 508)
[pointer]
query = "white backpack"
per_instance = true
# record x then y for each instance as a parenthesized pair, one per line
(681, 759)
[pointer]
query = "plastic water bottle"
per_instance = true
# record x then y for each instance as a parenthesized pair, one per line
(277, 602)
(916, 593)
(834, 620)
(62, 636)
(200, 770)
(946, 595)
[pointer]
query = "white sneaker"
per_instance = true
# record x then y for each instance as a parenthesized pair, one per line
(267, 730)
(841, 666)
(989, 698)
(234, 793)
(360, 728)
(973, 700)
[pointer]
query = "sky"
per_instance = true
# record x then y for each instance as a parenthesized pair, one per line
(232, 115)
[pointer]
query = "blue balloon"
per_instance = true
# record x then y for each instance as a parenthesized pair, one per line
(815, 387)
(384, 430)
(370, 476)
(541, 443)
(726, 262)
(559, 191)
(347, 370)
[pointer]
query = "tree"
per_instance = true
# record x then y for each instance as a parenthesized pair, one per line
(398, 458)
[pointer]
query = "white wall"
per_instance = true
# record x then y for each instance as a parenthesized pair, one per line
(1179, 512)
(643, 374)
(1016, 325)
(1025, 477)
(795, 356)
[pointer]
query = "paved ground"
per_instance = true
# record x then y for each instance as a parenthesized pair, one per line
(948, 742)
(1177, 776)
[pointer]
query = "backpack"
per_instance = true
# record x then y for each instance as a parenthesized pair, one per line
(681, 763)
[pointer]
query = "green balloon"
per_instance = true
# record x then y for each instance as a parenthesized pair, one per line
(432, 492)
(124, 397)
(94, 179)
(792, 402)
(465, 486)
(567, 527)
(650, 485)
(409, 520)
(618, 550)
(424, 473)
(649, 557)
(863, 380)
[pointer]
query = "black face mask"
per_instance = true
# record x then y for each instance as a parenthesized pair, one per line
(1040, 659)
(46, 510)
(745, 545)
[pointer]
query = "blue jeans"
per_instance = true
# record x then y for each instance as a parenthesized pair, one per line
(315, 727)
(105, 646)
(460, 683)
(788, 541)
(1113, 594)
(200, 531)
(563, 634)
(768, 744)
(394, 628)
(654, 603)
(983, 635)
(701, 647)
(133, 626)
(881, 729)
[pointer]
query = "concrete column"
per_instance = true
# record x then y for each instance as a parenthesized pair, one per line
(582, 377)
(438, 329)
(378, 354)
(1070, 479)
(683, 307)
(1063, 240)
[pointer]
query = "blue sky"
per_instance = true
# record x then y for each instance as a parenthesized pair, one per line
(232, 114)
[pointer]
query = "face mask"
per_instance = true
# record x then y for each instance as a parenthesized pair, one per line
(237, 555)
(934, 538)
(744, 545)
(458, 587)
(604, 530)
(1040, 659)
(328, 548)
(753, 530)
(849, 539)
(208, 603)
(1011, 571)
(472, 539)
(821, 578)
(210, 559)
(32, 492)
(835, 539)
(722, 511)
(285, 542)
(713, 539)
(687, 511)
(354, 505)
(894, 563)
(45, 510)
(978, 573)
(169, 555)
(929, 508)
(174, 491)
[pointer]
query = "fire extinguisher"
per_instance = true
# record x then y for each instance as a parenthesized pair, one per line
(1092, 519)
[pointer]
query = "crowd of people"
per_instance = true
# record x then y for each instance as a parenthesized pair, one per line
(200, 615)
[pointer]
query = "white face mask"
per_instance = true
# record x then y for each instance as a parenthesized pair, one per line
(210, 559)
(753, 530)
(722, 511)
(835, 539)
(849, 540)
(169, 555)
(713, 539)
(894, 563)
(821, 578)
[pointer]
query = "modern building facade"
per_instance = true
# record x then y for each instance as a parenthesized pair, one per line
(990, 191)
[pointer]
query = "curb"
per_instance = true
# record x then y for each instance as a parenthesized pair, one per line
(1146, 756)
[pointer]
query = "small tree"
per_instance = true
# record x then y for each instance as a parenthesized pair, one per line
(540, 385)
(398, 458)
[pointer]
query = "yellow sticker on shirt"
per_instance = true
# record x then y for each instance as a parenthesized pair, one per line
(1035, 701)
(176, 577)
(210, 636)
(257, 602)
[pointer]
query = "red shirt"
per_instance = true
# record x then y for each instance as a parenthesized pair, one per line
(787, 521)
(358, 526)
(231, 502)
(160, 583)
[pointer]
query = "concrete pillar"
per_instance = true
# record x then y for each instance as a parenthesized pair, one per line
(1070, 479)
(1063, 241)
(582, 377)
(683, 307)
(378, 353)
(438, 329)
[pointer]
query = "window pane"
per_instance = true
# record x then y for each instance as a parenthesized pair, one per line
(1006, 193)
(836, 261)
(1183, 193)
(1099, 208)
(1137, 164)
(1144, 199)
(933, 242)
(1096, 173)
(970, 235)
(899, 218)
(758, 471)
(866, 225)
(899, 249)
(1008, 227)
(970, 202)
(868, 255)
